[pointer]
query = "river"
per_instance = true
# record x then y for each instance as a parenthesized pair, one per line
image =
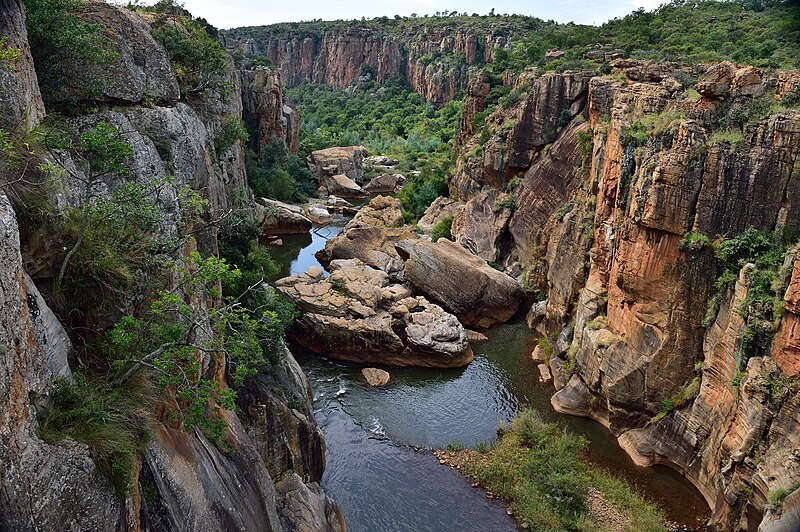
(379, 466)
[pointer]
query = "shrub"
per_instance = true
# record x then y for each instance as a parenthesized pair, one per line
(115, 423)
(67, 51)
(231, 130)
(508, 203)
(442, 229)
(695, 241)
(728, 136)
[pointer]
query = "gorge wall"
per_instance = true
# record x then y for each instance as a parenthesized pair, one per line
(265, 476)
(434, 61)
(595, 181)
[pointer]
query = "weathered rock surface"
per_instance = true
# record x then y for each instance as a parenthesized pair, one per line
(358, 316)
(441, 270)
(438, 210)
(264, 111)
(278, 218)
(347, 161)
(45, 487)
(340, 185)
(370, 236)
(318, 214)
(375, 376)
(481, 226)
(21, 106)
(385, 184)
(335, 58)
(140, 70)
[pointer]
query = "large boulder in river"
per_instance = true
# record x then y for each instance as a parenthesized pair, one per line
(371, 236)
(385, 184)
(278, 218)
(357, 315)
(339, 160)
(340, 185)
(460, 281)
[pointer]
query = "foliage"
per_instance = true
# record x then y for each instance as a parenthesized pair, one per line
(199, 60)
(538, 467)
(763, 305)
(114, 422)
(695, 241)
(276, 174)
(442, 229)
(8, 54)
(231, 130)
(391, 120)
(67, 50)
(776, 497)
(508, 203)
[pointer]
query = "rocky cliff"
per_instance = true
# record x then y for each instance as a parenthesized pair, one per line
(264, 473)
(434, 60)
(605, 178)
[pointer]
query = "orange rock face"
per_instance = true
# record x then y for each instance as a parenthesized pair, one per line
(786, 346)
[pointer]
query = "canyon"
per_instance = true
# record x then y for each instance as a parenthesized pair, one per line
(593, 204)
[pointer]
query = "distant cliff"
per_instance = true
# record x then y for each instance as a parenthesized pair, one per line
(433, 59)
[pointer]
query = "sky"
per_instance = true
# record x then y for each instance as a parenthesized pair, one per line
(227, 14)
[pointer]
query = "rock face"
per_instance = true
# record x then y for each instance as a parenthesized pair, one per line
(355, 314)
(335, 57)
(441, 270)
(21, 106)
(341, 186)
(265, 112)
(46, 487)
(184, 481)
(347, 161)
(440, 209)
(481, 226)
(141, 68)
(598, 228)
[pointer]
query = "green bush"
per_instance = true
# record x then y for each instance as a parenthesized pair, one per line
(67, 51)
(116, 423)
(231, 130)
(199, 60)
(442, 229)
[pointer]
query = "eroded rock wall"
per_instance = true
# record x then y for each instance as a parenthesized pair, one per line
(599, 224)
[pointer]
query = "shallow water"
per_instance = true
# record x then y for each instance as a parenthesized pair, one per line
(383, 484)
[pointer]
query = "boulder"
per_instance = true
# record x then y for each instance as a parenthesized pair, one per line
(375, 376)
(572, 399)
(385, 184)
(438, 210)
(747, 82)
(381, 160)
(544, 373)
(340, 185)
(357, 315)
(338, 160)
(371, 236)
(318, 214)
(716, 82)
(278, 218)
(463, 283)
(475, 336)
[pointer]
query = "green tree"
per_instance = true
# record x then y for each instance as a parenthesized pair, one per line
(66, 49)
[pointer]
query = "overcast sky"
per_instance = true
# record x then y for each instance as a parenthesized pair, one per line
(234, 13)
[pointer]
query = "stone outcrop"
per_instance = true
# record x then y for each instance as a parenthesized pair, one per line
(21, 106)
(786, 346)
(370, 237)
(266, 114)
(375, 376)
(141, 68)
(442, 269)
(341, 186)
(347, 161)
(434, 60)
(385, 184)
(357, 315)
(440, 209)
(481, 226)
(278, 218)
